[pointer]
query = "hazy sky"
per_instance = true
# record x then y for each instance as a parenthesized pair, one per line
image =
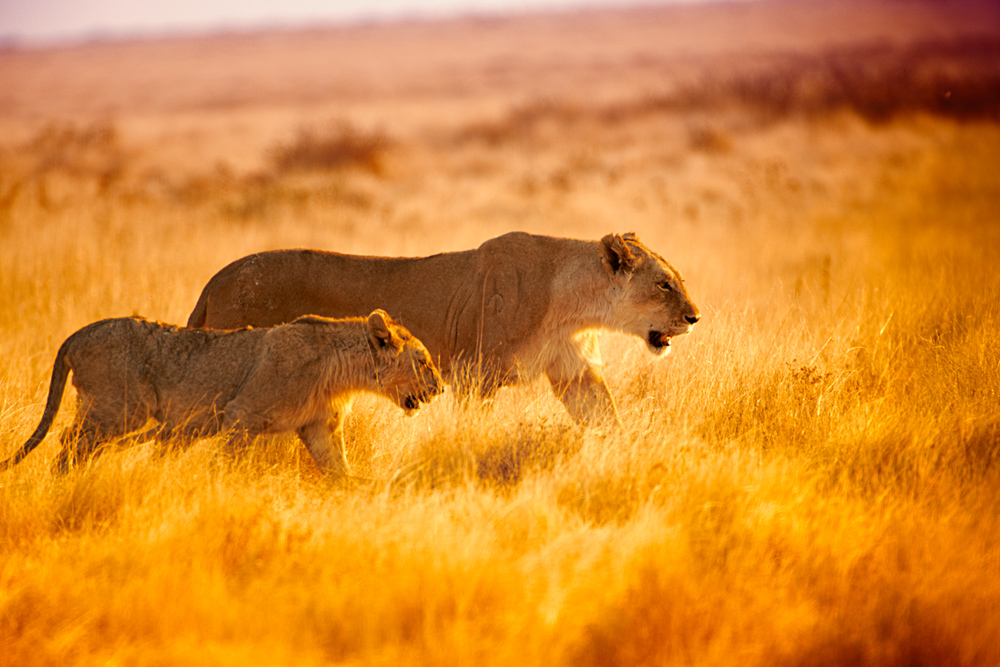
(34, 21)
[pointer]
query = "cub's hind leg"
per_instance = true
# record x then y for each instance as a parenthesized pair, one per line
(85, 439)
(96, 425)
(80, 442)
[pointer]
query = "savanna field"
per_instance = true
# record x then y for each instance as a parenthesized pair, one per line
(811, 477)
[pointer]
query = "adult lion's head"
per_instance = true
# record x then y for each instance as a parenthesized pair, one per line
(402, 364)
(651, 301)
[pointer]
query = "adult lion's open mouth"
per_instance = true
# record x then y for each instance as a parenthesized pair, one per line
(658, 340)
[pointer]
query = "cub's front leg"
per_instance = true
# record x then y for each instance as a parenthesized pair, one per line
(325, 441)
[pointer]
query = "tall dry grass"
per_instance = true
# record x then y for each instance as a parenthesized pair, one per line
(810, 479)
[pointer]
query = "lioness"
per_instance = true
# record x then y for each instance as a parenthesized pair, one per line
(196, 382)
(517, 306)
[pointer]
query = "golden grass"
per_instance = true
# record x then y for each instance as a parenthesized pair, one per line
(810, 479)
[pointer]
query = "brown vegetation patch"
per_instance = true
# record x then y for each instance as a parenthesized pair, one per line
(957, 79)
(340, 146)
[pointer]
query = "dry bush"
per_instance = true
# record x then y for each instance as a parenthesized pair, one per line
(78, 151)
(340, 146)
(60, 165)
(709, 139)
(523, 123)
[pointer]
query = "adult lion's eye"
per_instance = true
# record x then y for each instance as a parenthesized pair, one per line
(665, 286)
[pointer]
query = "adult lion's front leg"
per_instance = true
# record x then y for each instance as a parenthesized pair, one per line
(575, 373)
(587, 399)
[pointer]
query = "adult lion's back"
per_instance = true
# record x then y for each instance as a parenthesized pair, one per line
(431, 295)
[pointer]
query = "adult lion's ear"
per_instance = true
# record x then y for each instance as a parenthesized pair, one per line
(616, 256)
(379, 330)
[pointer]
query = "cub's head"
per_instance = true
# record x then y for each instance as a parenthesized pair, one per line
(406, 374)
(651, 300)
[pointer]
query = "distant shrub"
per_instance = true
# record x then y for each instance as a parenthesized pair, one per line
(521, 123)
(958, 79)
(709, 139)
(92, 151)
(61, 162)
(342, 146)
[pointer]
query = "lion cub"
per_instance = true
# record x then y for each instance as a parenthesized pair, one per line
(196, 382)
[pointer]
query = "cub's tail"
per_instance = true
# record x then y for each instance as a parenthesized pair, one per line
(60, 372)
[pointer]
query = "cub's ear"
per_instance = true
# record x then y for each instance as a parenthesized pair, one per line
(380, 331)
(616, 256)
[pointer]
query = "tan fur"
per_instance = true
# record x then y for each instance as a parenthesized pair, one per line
(517, 306)
(296, 377)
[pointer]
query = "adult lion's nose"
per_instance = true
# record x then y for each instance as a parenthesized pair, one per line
(692, 319)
